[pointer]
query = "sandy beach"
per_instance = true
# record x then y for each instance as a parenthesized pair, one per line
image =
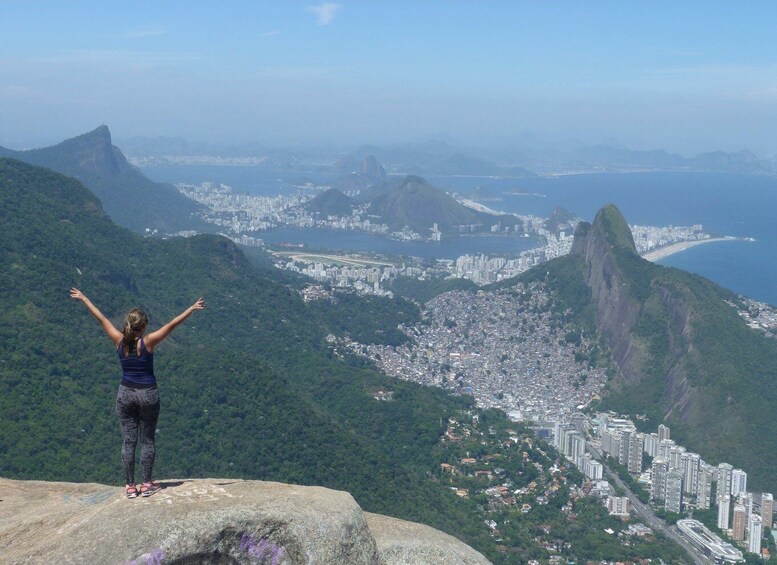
(663, 252)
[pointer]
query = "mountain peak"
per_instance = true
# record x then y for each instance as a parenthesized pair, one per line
(609, 226)
(98, 138)
(372, 169)
(411, 180)
(101, 132)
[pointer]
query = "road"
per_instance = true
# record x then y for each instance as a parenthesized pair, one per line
(647, 515)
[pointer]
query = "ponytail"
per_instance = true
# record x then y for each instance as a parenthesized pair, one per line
(134, 323)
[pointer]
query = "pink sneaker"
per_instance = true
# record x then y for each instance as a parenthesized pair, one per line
(147, 489)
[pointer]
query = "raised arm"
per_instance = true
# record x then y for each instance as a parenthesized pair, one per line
(109, 328)
(155, 337)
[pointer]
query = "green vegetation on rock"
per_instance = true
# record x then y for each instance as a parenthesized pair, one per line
(682, 354)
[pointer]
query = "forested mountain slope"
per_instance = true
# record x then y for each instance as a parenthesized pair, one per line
(127, 195)
(249, 388)
(682, 353)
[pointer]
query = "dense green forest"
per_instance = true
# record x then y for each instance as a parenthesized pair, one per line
(249, 386)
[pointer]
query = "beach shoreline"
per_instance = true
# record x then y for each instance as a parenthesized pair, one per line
(663, 252)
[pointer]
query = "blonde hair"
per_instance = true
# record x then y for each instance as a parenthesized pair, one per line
(134, 323)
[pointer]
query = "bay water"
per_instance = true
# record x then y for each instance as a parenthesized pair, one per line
(725, 204)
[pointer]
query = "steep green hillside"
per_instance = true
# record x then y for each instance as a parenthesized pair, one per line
(417, 204)
(249, 388)
(129, 197)
(330, 203)
(683, 355)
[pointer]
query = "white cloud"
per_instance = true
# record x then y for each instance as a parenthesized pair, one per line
(325, 12)
(148, 31)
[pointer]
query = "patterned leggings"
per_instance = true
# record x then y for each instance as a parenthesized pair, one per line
(138, 408)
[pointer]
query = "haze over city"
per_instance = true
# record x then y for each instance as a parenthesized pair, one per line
(686, 77)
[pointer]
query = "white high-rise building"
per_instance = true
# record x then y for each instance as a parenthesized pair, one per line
(689, 463)
(625, 443)
(674, 491)
(610, 442)
(659, 469)
(663, 432)
(754, 529)
(575, 445)
(724, 479)
(767, 510)
(704, 489)
(664, 446)
(676, 457)
(636, 445)
(724, 510)
(651, 444)
(618, 505)
(738, 482)
(592, 468)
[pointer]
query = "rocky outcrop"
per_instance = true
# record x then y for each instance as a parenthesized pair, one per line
(616, 308)
(408, 543)
(209, 521)
(372, 169)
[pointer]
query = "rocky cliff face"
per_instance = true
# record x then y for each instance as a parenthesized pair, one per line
(372, 169)
(615, 308)
(643, 316)
(209, 521)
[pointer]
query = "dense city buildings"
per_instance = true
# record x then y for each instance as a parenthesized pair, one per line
(495, 346)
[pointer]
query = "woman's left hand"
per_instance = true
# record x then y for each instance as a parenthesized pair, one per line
(77, 294)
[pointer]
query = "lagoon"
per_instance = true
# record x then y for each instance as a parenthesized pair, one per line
(725, 204)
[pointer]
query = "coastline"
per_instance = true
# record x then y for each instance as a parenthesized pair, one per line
(663, 252)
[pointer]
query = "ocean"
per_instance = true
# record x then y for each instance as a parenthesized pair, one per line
(725, 204)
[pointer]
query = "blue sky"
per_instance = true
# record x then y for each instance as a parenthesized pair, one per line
(686, 76)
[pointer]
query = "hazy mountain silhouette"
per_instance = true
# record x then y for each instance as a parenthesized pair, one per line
(127, 195)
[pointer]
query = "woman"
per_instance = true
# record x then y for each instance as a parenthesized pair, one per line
(137, 402)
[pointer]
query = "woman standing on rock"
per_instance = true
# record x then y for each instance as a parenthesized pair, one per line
(137, 402)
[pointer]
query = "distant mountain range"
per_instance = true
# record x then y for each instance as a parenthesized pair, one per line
(127, 195)
(576, 157)
(682, 355)
(434, 157)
